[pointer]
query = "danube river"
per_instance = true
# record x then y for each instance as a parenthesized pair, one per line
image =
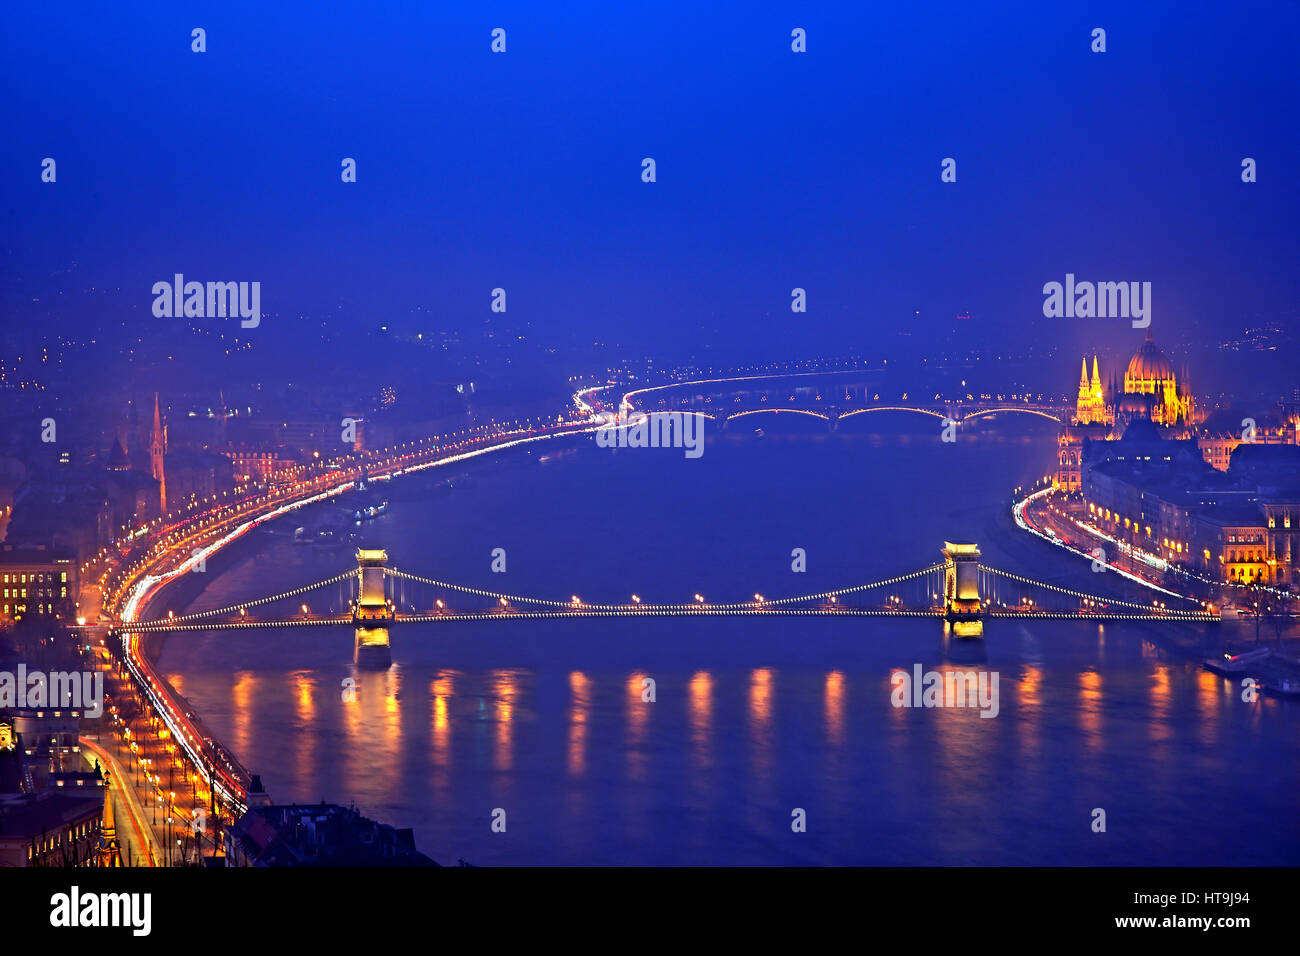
(752, 719)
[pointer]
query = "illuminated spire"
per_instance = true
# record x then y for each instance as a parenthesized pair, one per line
(110, 854)
(157, 451)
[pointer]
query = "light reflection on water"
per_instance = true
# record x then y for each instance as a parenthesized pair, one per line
(751, 718)
(711, 769)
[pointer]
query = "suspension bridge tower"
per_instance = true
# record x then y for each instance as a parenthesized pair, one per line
(961, 583)
(372, 613)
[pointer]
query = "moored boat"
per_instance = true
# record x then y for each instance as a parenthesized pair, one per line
(1230, 664)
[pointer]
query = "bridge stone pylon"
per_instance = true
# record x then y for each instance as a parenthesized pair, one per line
(961, 582)
(372, 613)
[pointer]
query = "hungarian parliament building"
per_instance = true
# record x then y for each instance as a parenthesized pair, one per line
(1218, 495)
(1151, 392)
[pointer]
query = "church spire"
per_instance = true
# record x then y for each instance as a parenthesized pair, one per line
(110, 854)
(157, 451)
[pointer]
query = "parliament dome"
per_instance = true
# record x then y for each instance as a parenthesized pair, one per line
(1149, 364)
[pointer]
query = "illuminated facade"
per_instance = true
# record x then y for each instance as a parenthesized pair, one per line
(108, 853)
(1223, 433)
(1091, 407)
(961, 583)
(1152, 389)
(260, 462)
(372, 613)
(37, 581)
(1160, 497)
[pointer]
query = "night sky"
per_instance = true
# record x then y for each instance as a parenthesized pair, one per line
(775, 169)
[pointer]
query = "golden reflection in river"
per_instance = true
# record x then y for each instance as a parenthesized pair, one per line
(836, 757)
(242, 695)
(392, 699)
(1210, 697)
(1090, 709)
(759, 714)
(835, 709)
(1161, 694)
(579, 714)
(442, 688)
(372, 724)
(638, 725)
(760, 721)
(963, 740)
(699, 702)
(351, 692)
(1029, 709)
(505, 687)
(305, 729)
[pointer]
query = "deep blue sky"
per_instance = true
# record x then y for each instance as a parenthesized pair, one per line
(522, 170)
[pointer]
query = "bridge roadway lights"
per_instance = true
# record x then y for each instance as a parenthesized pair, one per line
(371, 615)
(963, 606)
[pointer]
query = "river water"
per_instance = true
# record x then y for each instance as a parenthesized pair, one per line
(753, 720)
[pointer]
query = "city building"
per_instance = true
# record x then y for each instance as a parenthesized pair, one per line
(1159, 496)
(257, 461)
(71, 513)
(1224, 430)
(1150, 391)
(198, 474)
(44, 825)
(50, 735)
(318, 835)
(37, 580)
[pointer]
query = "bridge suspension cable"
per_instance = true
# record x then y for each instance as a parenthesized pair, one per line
(258, 601)
(858, 587)
(548, 602)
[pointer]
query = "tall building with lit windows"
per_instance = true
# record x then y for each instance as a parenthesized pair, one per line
(37, 581)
